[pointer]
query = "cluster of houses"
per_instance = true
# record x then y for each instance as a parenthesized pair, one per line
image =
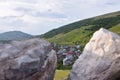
(68, 54)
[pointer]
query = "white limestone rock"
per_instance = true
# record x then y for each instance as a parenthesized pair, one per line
(100, 59)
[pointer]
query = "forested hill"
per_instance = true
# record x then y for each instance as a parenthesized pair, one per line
(14, 35)
(81, 31)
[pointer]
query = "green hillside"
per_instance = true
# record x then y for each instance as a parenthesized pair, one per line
(82, 31)
(115, 29)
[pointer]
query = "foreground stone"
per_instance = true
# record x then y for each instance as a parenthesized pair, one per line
(100, 59)
(31, 59)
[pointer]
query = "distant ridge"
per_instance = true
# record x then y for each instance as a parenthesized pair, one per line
(95, 21)
(14, 35)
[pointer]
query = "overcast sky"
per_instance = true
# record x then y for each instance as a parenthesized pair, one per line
(39, 16)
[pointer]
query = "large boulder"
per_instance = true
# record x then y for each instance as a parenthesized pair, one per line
(31, 59)
(100, 59)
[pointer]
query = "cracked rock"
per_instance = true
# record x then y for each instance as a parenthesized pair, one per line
(31, 59)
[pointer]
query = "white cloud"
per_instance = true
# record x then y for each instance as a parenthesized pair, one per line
(39, 16)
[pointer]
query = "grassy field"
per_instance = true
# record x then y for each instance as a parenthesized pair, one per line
(61, 74)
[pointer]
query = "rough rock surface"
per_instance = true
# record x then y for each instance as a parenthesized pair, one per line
(31, 59)
(100, 59)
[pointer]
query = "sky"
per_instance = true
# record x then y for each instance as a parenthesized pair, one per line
(39, 16)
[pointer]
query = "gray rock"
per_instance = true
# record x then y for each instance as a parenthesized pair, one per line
(100, 59)
(31, 59)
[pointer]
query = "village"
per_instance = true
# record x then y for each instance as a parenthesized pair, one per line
(68, 54)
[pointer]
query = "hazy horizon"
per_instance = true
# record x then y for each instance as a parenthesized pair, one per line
(37, 17)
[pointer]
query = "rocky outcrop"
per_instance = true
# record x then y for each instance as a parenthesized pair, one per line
(31, 59)
(100, 59)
